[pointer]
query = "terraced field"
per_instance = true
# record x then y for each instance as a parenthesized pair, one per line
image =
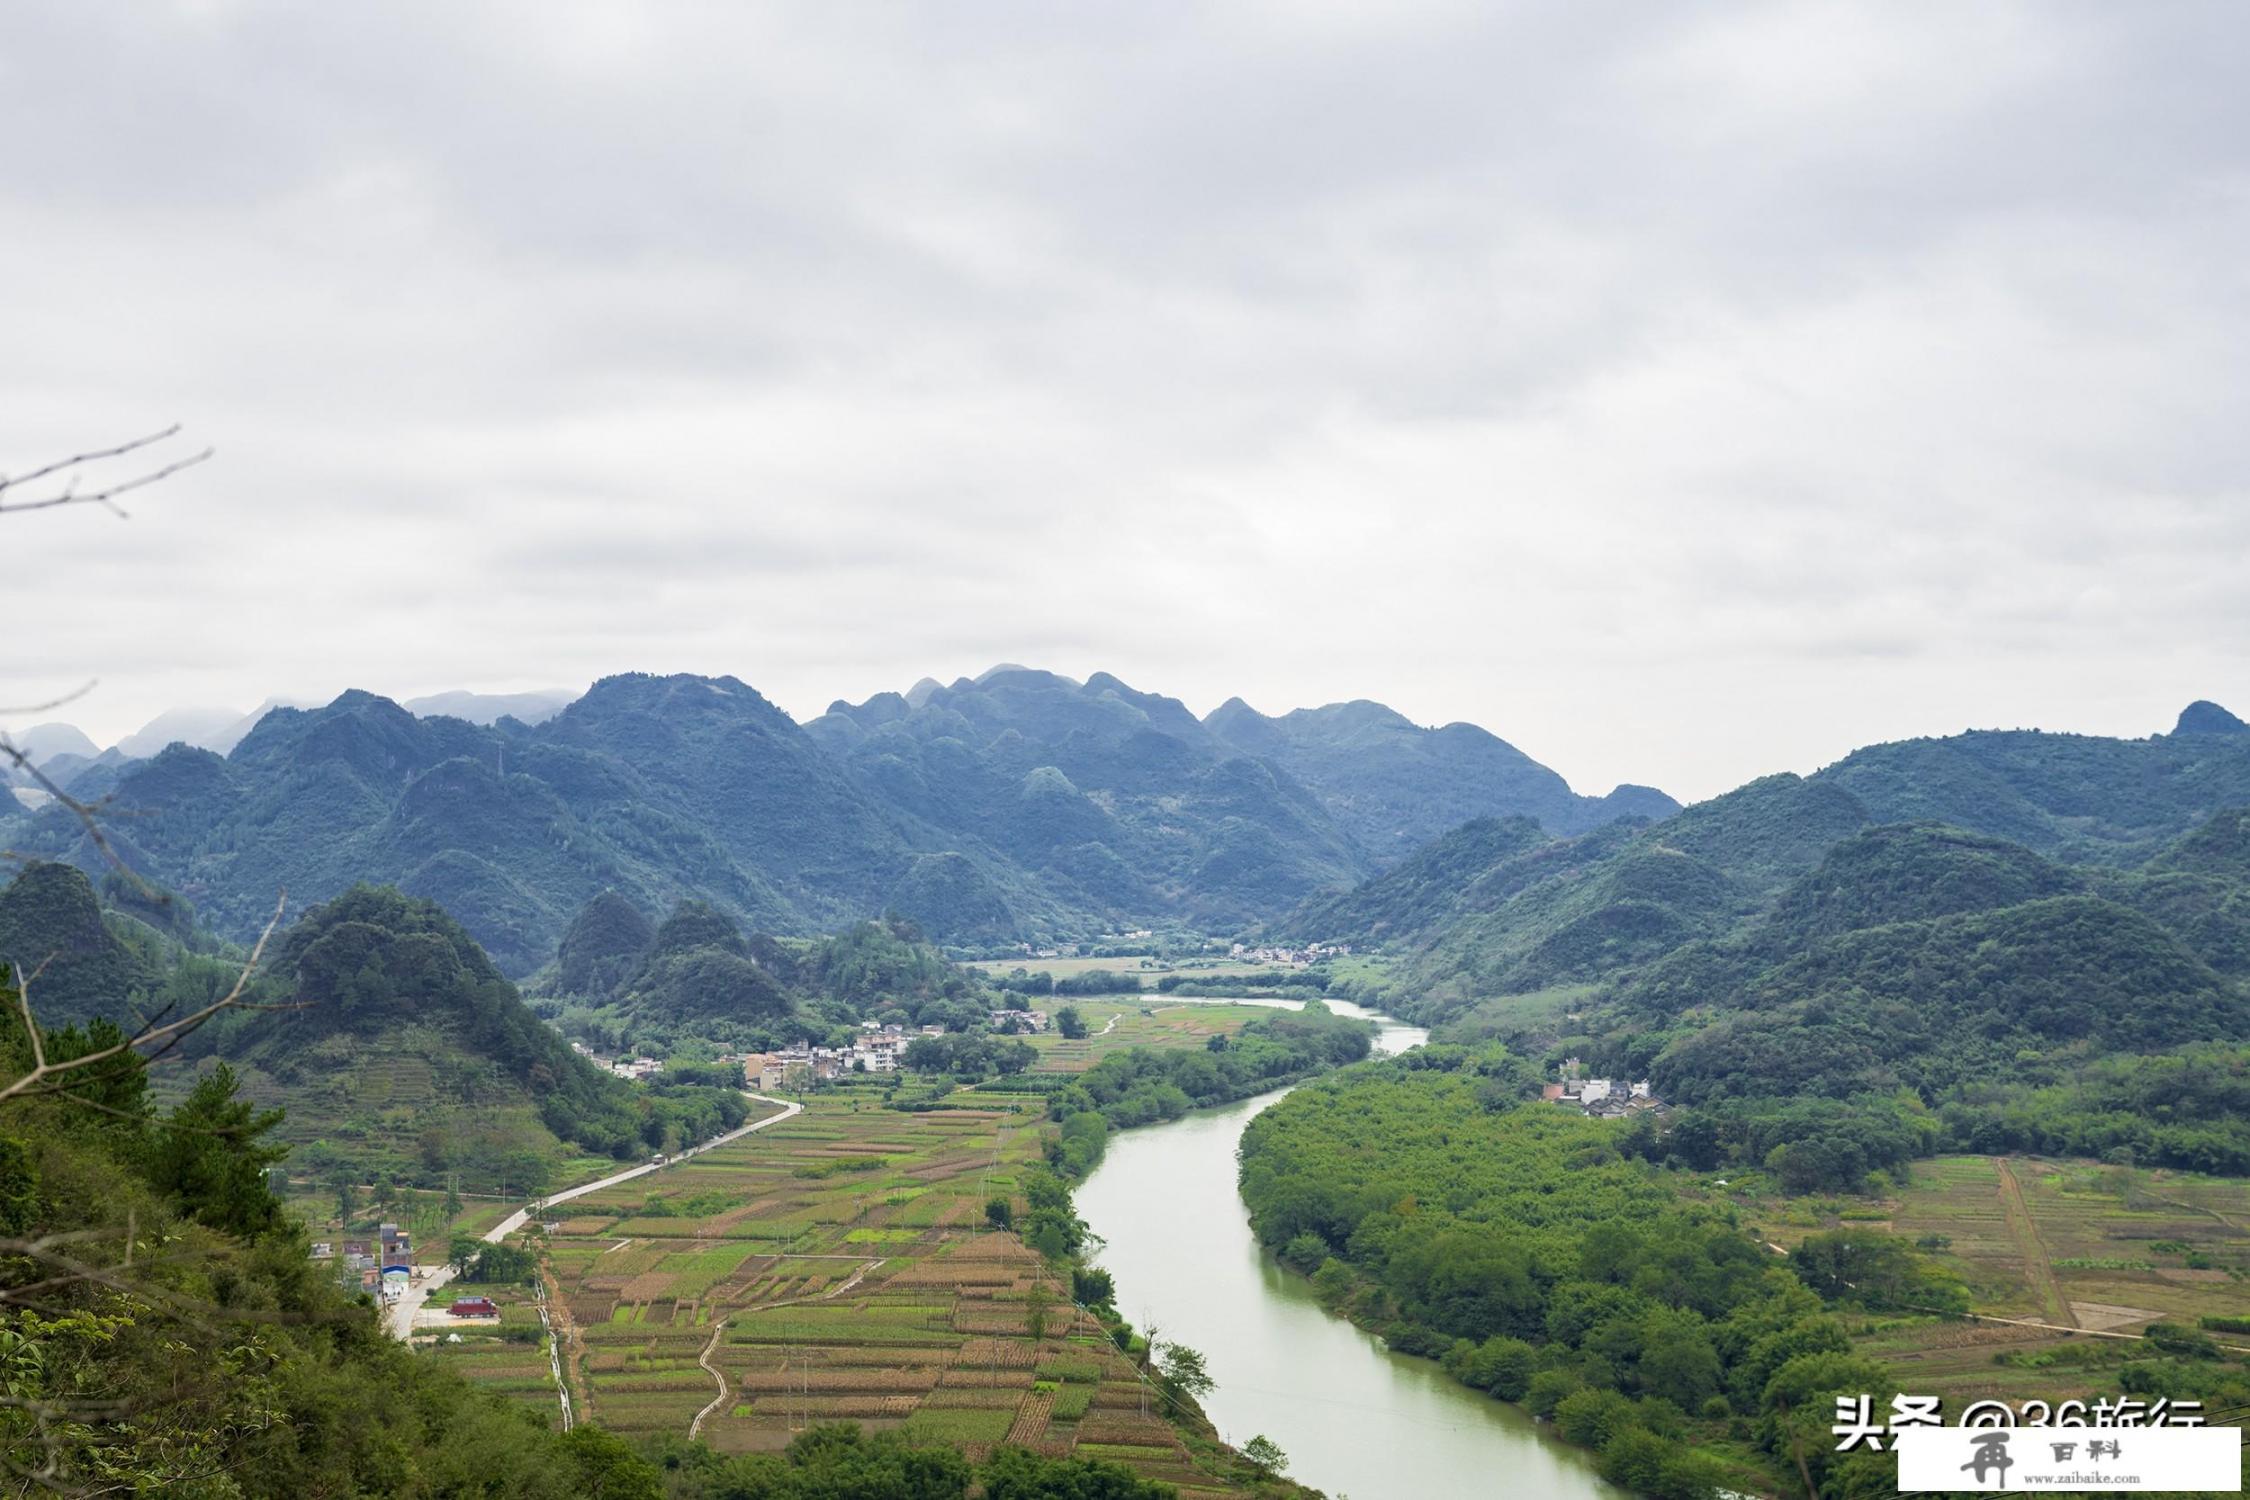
(838, 1267)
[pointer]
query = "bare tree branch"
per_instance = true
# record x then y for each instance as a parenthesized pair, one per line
(159, 1036)
(69, 471)
(48, 707)
(87, 813)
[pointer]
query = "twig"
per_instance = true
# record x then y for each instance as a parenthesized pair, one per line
(69, 469)
(158, 1036)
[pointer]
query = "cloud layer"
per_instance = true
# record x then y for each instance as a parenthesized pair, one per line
(1682, 393)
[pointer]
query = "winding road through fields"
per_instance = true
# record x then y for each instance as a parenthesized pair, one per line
(399, 1317)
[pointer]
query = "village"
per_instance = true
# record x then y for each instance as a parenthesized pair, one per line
(1294, 958)
(1601, 1098)
(876, 1049)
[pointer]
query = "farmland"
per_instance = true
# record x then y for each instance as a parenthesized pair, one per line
(2074, 1245)
(510, 1357)
(839, 1267)
(1112, 1025)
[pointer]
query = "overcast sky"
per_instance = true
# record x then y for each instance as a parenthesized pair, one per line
(1682, 393)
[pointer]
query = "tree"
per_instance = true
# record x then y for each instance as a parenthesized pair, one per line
(1265, 1456)
(1091, 1285)
(1184, 1372)
(1070, 1023)
(212, 1154)
(999, 1213)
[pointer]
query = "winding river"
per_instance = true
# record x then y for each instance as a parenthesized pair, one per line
(1355, 1419)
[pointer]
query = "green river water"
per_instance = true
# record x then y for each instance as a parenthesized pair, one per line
(1355, 1419)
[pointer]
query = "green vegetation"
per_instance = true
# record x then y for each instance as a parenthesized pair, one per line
(88, 962)
(1521, 1247)
(224, 1365)
(697, 977)
(395, 1048)
(836, 1461)
(1146, 1084)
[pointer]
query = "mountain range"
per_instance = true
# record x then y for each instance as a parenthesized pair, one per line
(63, 749)
(1927, 913)
(1020, 805)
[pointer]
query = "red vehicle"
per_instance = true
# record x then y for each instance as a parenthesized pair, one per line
(474, 1307)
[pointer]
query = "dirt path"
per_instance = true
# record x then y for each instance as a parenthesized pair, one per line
(2025, 1228)
(704, 1359)
(554, 1353)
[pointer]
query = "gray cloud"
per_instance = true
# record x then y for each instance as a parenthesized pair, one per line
(1682, 393)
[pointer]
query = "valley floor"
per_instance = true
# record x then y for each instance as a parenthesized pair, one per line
(837, 1266)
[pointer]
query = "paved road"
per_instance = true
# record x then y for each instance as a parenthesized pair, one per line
(399, 1317)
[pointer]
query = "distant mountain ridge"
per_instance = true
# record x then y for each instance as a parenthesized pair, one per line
(221, 729)
(1396, 785)
(1017, 805)
(1908, 832)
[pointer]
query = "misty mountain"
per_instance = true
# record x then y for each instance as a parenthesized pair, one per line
(490, 708)
(43, 742)
(1394, 785)
(1018, 805)
(219, 729)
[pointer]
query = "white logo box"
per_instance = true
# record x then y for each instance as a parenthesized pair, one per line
(2060, 1460)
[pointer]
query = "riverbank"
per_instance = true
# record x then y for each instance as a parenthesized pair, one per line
(1354, 1418)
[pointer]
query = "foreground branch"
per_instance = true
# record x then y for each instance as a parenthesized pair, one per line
(69, 471)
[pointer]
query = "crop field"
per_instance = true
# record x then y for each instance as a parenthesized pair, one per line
(510, 1358)
(2064, 1245)
(839, 1267)
(1114, 1025)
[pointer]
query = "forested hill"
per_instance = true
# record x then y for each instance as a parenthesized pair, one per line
(81, 961)
(1119, 799)
(1790, 939)
(396, 1046)
(620, 975)
(1020, 805)
(1499, 908)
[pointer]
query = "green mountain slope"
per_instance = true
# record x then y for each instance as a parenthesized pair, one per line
(659, 788)
(2024, 991)
(1119, 799)
(1989, 820)
(697, 973)
(396, 1045)
(1018, 806)
(79, 961)
(2080, 798)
